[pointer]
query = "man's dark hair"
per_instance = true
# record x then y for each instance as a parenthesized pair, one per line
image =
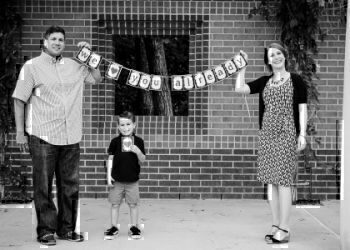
(54, 29)
(127, 115)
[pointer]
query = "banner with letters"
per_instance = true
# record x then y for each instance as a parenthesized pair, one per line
(154, 82)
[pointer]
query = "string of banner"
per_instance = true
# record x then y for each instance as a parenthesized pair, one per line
(154, 82)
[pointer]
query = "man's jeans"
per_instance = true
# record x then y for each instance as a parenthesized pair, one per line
(63, 161)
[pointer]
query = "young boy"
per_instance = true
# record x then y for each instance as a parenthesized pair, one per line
(126, 152)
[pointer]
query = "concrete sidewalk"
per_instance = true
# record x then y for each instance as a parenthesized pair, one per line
(184, 225)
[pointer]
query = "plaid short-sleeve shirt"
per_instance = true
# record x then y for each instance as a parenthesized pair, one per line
(52, 89)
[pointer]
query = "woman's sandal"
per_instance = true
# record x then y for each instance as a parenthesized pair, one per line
(268, 237)
(281, 236)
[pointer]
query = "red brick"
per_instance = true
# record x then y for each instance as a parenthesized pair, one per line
(200, 189)
(180, 164)
(169, 170)
(159, 163)
(158, 189)
(190, 170)
(179, 177)
(169, 183)
(148, 183)
(232, 196)
(190, 196)
(96, 189)
(179, 190)
(201, 164)
(210, 196)
(149, 195)
(210, 183)
(190, 183)
(210, 170)
(168, 157)
(158, 176)
(168, 196)
(253, 196)
(189, 157)
(222, 177)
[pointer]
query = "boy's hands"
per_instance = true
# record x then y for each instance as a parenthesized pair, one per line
(109, 164)
(110, 180)
(135, 149)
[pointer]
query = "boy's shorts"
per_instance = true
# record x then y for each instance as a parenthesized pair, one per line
(128, 190)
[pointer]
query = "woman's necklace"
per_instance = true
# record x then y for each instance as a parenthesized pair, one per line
(280, 80)
(277, 82)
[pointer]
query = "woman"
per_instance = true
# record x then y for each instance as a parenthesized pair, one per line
(282, 122)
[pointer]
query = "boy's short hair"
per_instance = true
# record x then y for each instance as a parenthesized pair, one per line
(54, 29)
(127, 115)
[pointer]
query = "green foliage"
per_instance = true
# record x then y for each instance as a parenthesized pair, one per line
(13, 179)
(264, 9)
(10, 23)
(299, 34)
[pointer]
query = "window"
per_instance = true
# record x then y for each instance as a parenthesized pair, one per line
(153, 55)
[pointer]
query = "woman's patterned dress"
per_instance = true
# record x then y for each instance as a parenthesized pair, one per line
(277, 138)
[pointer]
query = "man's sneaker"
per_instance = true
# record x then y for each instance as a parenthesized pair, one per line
(47, 239)
(134, 233)
(72, 236)
(111, 233)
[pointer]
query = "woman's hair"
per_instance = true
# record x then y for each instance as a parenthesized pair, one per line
(279, 47)
(54, 29)
(127, 115)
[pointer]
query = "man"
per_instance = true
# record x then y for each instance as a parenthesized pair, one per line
(48, 96)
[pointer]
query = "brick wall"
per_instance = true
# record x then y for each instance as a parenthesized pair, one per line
(212, 152)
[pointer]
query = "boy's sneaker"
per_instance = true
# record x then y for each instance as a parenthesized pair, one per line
(111, 233)
(47, 239)
(135, 233)
(72, 236)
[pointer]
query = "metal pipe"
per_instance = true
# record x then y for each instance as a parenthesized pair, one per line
(345, 179)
